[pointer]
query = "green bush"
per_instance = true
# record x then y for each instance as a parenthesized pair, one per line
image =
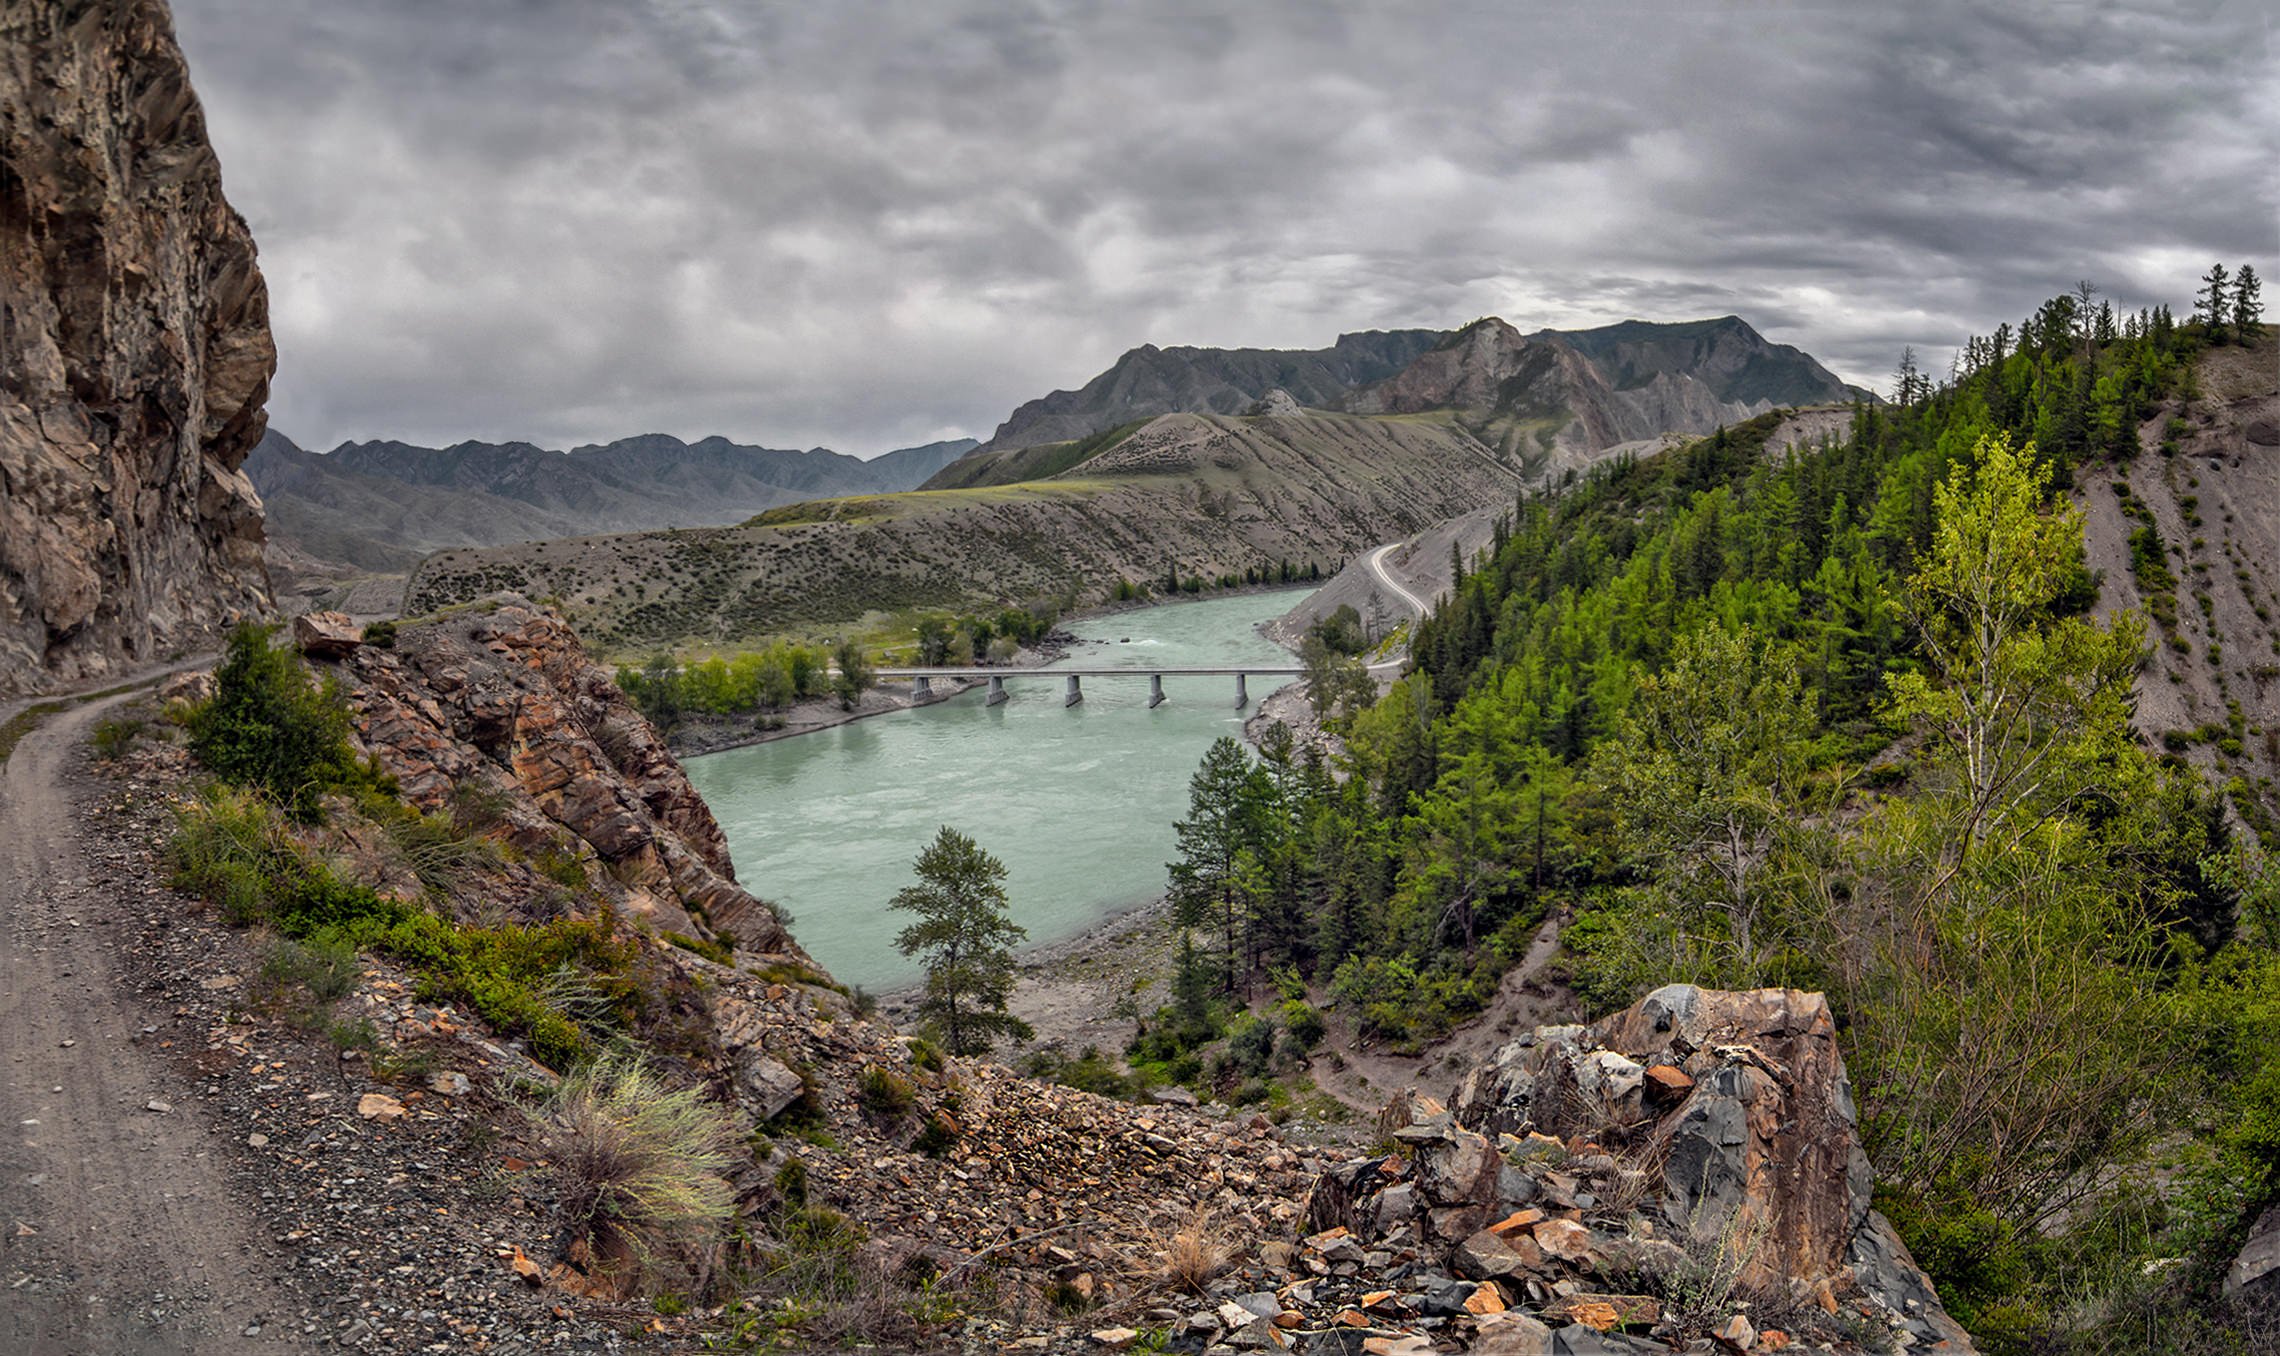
(268, 726)
(883, 1092)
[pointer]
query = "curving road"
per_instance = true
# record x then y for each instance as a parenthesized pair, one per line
(1385, 577)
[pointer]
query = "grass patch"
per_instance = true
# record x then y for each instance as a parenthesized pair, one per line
(642, 1168)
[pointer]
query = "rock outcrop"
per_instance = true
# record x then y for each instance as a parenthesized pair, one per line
(136, 355)
(1674, 1164)
(501, 710)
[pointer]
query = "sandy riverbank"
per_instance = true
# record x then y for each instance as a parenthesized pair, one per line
(1074, 991)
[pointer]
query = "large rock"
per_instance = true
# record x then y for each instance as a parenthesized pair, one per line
(135, 359)
(2256, 1271)
(504, 706)
(1764, 1145)
(1694, 1124)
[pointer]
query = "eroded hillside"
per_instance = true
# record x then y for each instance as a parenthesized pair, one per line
(1208, 494)
(2189, 533)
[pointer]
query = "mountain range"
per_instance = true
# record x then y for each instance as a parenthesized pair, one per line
(382, 505)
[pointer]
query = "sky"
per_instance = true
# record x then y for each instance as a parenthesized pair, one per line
(871, 225)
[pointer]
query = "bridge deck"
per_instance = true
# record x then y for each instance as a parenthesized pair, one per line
(1121, 671)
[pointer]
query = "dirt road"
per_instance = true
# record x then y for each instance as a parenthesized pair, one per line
(117, 1232)
(1385, 577)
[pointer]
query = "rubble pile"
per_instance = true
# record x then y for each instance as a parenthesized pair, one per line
(1688, 1170)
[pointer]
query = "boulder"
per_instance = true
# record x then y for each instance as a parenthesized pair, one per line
(1696, 1120)
(2256, 1271)
(326, 635)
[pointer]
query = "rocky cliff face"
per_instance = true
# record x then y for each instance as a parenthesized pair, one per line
(501, 713)
(135, 357)
(1558, 400)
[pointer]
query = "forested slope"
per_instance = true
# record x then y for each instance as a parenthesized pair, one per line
(1849, 718)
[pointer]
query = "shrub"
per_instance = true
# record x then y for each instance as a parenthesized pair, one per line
(641, 1167)
(112, 738)
(267, 726)
(325, 966)
(883, 1092)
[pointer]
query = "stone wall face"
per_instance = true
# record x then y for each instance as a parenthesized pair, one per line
(135, 354)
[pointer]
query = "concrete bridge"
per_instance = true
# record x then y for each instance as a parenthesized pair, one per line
(922, 680)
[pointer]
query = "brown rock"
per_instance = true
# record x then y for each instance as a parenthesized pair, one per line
(1738, 1334)
(1486, 1299)
(136, 351)
(1485, 1257)
(379, 1106)
(1669, 1081)
(326, 635)
(1564, 1239)
(1511, 1333)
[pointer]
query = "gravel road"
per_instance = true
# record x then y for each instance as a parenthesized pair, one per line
(116, 1227)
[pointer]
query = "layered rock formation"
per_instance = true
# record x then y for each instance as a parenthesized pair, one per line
(503, 708)
(1678, 1163)
(135, 358)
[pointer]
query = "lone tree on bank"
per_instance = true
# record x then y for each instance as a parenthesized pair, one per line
(966, 940)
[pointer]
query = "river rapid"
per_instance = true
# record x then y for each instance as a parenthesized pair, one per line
(1078, 802)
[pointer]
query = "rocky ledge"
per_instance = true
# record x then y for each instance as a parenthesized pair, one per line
(498, 712)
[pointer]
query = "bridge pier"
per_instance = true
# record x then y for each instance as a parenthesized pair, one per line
(997, 692)
(1242, 693)
(1155, 690)
(1076, 693)
(921, 690)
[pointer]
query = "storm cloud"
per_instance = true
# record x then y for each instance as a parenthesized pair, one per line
(867, 225)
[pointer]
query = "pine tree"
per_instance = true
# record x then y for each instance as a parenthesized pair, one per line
(2210, 302)
(1205, 887)
(2248, 303)
(967, 939)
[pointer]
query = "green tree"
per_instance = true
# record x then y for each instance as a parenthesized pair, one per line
(661, 686)
(1206, 884)
(1705, 772)
(2248, 304)
(2211, 301)
(1337, 685)
(2010, 1028)
(966, 941)
(851, 676)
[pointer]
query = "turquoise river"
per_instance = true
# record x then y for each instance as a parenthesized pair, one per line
(1078, 802)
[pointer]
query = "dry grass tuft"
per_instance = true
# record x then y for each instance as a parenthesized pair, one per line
(642, 1169)
(1196, 1252)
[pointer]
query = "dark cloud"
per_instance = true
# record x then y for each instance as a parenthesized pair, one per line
(869, 224)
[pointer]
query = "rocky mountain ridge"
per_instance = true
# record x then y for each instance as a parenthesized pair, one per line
(1148, 381)
(1593, 388)
(135, 360)
(382, 505)
(1558, 400)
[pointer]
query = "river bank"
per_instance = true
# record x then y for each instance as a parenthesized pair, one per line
(699, 734)
(1085, 991)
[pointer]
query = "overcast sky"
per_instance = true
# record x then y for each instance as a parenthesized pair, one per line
(872, 225)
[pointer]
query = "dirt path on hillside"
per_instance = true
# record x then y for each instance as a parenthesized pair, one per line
(1366, 1077)
(117, 1230)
